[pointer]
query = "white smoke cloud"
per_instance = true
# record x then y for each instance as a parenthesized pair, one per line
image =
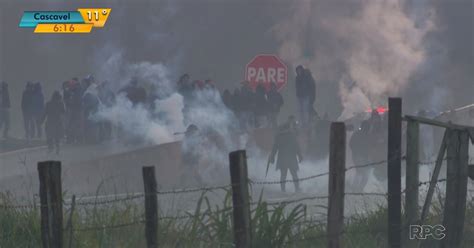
(136, 120)
(374, 42)
(205, 109)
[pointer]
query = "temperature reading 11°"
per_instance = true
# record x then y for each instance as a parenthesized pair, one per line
(96, 14)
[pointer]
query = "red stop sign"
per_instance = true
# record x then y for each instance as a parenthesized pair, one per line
(265, 69)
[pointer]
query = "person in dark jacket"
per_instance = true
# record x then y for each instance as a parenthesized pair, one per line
(53, 116)
(184, 86)
(289, 153)
(261, 106)
(107, 98)
(91, 102)
(38, 108)
(247, 105)
(27, 107)
(227, 99)
(4, 109)
(75, 120)
(135, 93)
(360, 146)
(275, 102)
(192, 155)
(236, 106)
(185, 89)
(305, 92)
(378, 142)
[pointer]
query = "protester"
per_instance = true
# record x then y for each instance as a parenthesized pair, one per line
(27, 107)
(261, 108)
(185, 89)
(135, 94)
(53, 116)
(38, 108)
(197, 85)
(4, 109)
(305, 92)
(74, 130)
(377, 140)
(107, 99)
(86, 82)
(289, 153)
(227, 99)
(275, 102)
(360, 146)
(209, 84)
(91, 102)
(247, 105)
(375, 122)
(184, 86)
(152, 97)
(191, 149)
(237, 106)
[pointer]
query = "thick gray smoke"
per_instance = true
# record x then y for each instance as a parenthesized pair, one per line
(207, 110)
(137, 120)
(167, 121)
(371, 48)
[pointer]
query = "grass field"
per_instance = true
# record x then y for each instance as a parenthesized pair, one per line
(120, 225)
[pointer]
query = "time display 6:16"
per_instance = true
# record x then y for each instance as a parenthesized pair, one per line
(63, 28)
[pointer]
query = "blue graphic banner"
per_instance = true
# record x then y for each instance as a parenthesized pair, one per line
(31, 18)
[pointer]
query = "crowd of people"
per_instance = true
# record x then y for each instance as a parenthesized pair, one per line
(253, 108)
(69, 116)
(76, 124)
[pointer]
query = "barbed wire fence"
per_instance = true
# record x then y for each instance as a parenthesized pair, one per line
(120, 198)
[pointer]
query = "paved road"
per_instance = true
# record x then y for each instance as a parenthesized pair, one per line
(18, 169)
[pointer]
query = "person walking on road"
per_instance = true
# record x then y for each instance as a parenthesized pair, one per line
(53, 115)
(289, 153)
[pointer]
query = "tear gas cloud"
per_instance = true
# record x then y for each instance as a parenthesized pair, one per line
(370, 47)
(167, 121)
(207, 109)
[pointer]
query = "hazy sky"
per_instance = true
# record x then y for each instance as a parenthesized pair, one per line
(406, 48)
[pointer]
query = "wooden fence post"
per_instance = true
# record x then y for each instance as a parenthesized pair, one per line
(456, 188)
(240, 199)
(394, 162)
(151, 206)
(51, 204)
(337, 172)
(412, 179)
